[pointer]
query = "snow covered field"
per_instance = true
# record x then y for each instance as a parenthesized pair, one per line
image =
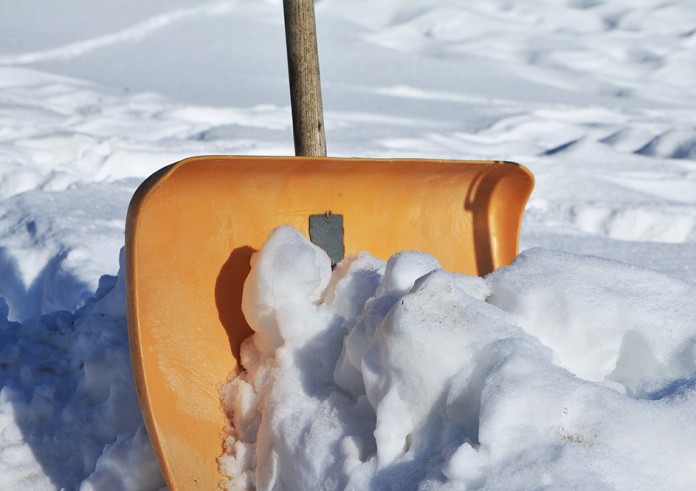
(596, 97)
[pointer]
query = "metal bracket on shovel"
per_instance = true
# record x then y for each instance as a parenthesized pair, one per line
(326, 231)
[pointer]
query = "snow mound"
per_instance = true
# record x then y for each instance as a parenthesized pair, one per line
(557, 370)
(69, 415)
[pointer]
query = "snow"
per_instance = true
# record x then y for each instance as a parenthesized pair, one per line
(572, 368)
(558, 370)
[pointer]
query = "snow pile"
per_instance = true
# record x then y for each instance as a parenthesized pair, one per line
(557, 370)
(69, 415)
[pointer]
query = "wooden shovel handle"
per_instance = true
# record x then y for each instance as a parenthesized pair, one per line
(305, 86)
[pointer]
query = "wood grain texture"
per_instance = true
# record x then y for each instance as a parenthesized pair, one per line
(305, 85)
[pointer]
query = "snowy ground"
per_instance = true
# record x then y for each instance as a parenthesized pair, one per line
(596, 97)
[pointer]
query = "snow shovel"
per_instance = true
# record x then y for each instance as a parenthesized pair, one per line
(193, 226)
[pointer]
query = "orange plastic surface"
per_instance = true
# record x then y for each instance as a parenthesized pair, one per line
(192, 228)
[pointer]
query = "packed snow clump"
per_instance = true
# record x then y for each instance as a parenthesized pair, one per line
(560, 370)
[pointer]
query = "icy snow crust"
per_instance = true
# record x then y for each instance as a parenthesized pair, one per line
(596, 97)
(558, 371)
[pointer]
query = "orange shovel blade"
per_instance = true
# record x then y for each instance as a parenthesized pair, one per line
(192, 228)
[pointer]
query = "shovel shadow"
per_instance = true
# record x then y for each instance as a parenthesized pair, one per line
(228, 297)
